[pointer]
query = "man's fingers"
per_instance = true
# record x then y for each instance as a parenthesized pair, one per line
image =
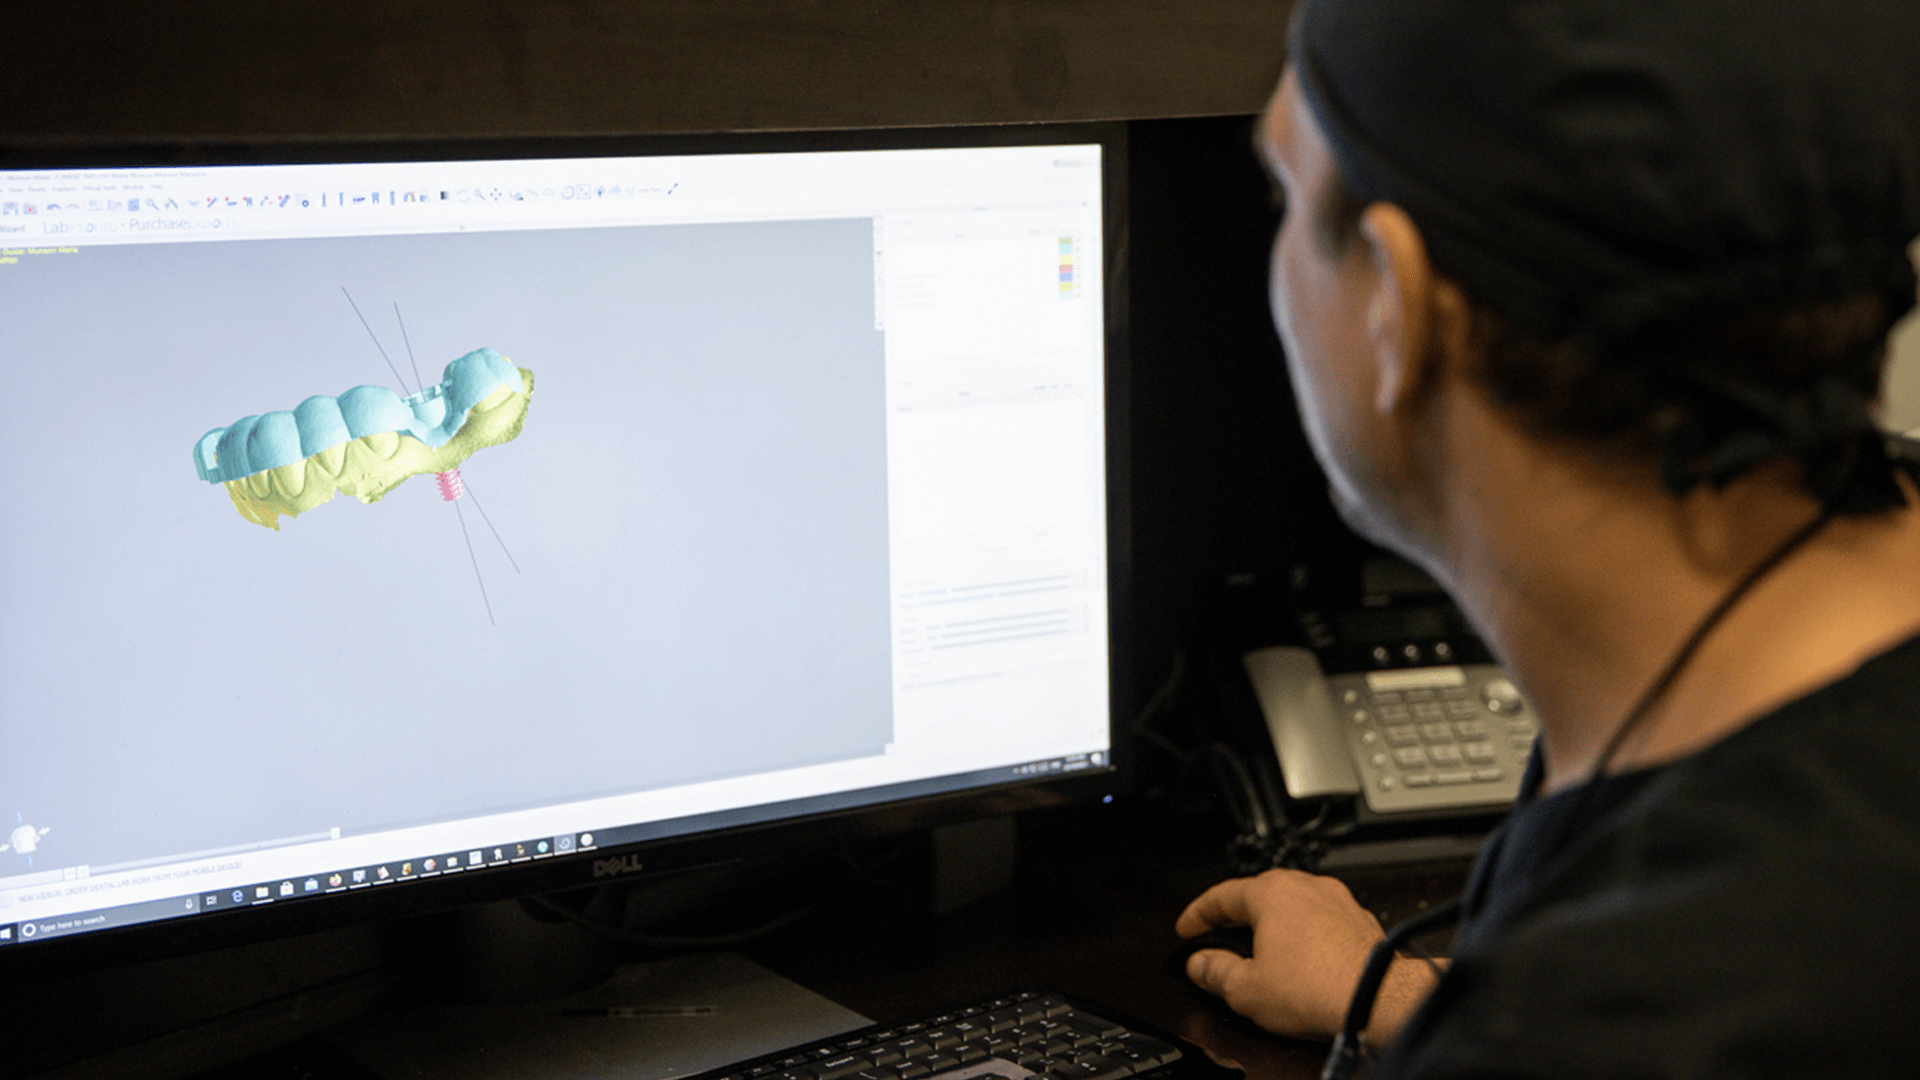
(1213, 969)
(1226, 904)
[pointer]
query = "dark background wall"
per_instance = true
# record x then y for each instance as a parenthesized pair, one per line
(1223, 484)
(226, 68)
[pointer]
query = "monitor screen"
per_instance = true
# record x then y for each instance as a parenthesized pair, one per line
(379, 520)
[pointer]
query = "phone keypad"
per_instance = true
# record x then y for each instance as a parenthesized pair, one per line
(1439, 738)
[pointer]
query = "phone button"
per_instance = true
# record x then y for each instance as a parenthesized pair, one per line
(1501, 695)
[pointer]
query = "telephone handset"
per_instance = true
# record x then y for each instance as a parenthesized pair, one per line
(1405, 740)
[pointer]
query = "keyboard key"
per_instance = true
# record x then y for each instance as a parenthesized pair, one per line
(1145, 1048)
(844, 1065)
(1105, 1067)
(1100, 1026)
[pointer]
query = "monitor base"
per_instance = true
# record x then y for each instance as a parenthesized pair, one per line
(651, 1021)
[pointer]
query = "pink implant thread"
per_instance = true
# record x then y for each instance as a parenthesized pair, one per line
(451, 486)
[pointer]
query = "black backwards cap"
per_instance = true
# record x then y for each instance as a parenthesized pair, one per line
(1591, 168)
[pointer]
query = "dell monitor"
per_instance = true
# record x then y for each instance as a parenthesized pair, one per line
(393, 527)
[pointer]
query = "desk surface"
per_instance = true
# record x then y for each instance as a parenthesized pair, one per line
(1101, 927)
(1091, 912)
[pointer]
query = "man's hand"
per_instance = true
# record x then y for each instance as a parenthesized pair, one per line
(1310, 940)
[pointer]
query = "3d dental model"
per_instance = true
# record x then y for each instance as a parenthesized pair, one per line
(366, 441)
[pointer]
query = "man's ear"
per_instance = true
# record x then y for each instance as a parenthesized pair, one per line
(1400, 311)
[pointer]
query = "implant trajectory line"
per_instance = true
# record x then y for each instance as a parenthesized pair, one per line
(366, 441)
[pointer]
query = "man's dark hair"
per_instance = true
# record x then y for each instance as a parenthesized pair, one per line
(1626, 399)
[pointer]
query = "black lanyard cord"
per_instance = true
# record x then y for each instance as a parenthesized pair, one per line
(1345, 1055)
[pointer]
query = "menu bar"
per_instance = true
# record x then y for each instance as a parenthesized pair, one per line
(284, 890)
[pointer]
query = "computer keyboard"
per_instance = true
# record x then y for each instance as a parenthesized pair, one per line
(1013, 1037)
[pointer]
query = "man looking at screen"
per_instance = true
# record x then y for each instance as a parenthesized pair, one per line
(1585, 304)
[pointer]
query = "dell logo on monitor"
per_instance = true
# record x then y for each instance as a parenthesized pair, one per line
(622, 864)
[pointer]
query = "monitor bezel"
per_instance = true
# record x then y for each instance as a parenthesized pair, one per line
(22, 964)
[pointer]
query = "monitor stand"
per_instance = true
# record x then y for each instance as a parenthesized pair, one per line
(651, 1021)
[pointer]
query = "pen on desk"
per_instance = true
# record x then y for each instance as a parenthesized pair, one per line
(636, 1011)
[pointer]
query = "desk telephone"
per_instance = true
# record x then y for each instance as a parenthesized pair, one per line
(1394, 704)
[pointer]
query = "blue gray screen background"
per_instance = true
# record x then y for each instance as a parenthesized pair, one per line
(697, 505)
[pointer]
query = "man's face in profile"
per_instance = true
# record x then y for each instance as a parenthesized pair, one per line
(1320, 291)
